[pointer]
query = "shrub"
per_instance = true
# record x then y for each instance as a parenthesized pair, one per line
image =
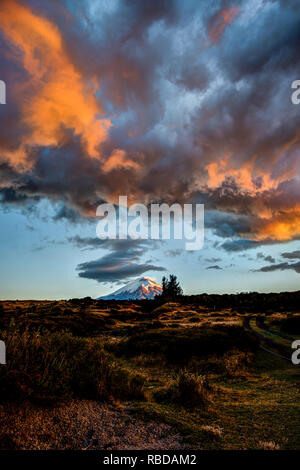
(167, 307)
(124, 314)
(187, 389)
(191, 389)
(291, 325)
(83, 323)
(122, 384)
(60, 365)
(237, 362)
(233, 363)
(149, 360)
(181, 343)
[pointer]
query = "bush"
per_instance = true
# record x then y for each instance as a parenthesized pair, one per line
(291, 325)
(83, 323)
(181, 343)
(237, 362)
(187, 389)
(233, 363)
(122, 384)
(191, 389)
(125, 314)
(60, 365)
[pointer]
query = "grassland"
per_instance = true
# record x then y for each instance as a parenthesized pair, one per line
(178, 374)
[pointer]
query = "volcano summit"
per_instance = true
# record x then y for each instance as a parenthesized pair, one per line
(142, 288)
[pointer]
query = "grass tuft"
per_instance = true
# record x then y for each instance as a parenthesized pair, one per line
(187, 390)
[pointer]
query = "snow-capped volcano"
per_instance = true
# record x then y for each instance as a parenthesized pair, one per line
(142, 288)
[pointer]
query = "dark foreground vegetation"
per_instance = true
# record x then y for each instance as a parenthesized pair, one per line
(252, 302)
(187, 363)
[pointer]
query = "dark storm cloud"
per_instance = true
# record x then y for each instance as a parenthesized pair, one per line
(108, 269)
(215, 266)
(281, 267)
(268, 258)
(88, 243)
(12, 196)
(226, 225)
(7, 173)
(242, 244)
(122, 262)
(239, 245)
(67, 213)
(278, 53)
(195, 97)
(291, 255)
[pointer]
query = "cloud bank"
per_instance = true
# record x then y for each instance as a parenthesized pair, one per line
(165, 101)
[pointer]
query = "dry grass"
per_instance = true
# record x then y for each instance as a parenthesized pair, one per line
(80, 424)
(187, 390)
(268, 445)
(56, 366)
(190, 389)
(181, 364)
(213, 431)
(237, 363)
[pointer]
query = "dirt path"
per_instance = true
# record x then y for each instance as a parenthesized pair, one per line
(267, 343)
(260, 321)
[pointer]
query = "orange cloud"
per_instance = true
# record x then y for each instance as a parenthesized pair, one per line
(283, 226)
(273, 217)
(55, 96)
(220, 21)
(246, 177)
(118, 159)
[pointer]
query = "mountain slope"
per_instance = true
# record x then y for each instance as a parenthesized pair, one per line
(142, 288)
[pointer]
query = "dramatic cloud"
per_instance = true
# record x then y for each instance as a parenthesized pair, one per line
(291, 255)
(90, 243)
(160, 101)
(55, 95)
(268, 258)
(281, 267)
(239, 245)
(121, 263)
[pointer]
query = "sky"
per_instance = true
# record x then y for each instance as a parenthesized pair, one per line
(165, 101)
